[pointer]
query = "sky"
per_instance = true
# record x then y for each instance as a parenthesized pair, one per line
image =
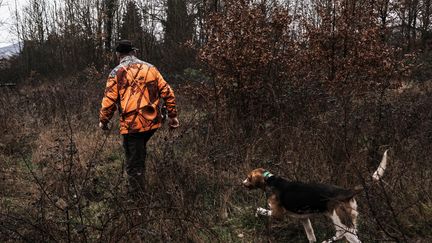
(8, 6)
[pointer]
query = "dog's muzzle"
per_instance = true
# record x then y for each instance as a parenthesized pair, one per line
(247, 184)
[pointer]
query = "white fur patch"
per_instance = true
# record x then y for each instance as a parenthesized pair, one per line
(381, 168)
(309, 230)
(263, 211)
(354, 212)
(342, 230)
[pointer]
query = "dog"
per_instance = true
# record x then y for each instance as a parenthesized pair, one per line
(303, 200)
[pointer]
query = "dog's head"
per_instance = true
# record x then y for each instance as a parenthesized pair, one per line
(256, 179)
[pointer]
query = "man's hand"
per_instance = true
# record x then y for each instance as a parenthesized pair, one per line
(174, 122)
(103, 126)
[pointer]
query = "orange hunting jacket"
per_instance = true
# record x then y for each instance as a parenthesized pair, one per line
(130, 86)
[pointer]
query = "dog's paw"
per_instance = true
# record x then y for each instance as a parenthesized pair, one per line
(333, 239)
(262, 211)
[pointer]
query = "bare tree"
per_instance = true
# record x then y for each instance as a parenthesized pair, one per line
(110, 9)
(1, 5)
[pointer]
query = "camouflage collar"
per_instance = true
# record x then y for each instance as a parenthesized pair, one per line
(128, 59)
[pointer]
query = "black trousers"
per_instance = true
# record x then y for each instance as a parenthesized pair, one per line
(135, 150)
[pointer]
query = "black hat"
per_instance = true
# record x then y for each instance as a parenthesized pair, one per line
(125, 46)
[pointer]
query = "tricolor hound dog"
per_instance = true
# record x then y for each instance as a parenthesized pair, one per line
(303, 200)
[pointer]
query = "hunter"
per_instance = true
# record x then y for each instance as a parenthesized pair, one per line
(135, 88)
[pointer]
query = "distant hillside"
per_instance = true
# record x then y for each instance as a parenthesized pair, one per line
(10, 50)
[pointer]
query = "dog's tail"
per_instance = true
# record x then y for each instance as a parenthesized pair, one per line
(377, 174)
(381, 168)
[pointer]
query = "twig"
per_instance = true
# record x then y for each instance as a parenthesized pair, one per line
(39, 183)
(368, 200)
(8, 85)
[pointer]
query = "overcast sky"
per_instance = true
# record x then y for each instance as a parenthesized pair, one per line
(6, 37)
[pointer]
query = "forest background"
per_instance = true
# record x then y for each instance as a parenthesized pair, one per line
(310, 90)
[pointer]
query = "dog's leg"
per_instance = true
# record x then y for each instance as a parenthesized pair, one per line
(273, 212)
(268, 213)
(338, 226)
(354, 214)
(309, 230)
(352, 237)
(342, 230)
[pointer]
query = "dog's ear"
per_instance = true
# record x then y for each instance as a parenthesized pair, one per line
(259, 171)
(258, 178)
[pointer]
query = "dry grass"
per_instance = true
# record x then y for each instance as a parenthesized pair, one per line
(63, 178)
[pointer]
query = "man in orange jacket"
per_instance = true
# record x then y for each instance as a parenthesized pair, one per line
(135, 88)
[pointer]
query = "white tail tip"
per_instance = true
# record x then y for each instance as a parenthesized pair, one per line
(381, 168)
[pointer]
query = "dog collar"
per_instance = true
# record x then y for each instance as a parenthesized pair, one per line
(267, 174)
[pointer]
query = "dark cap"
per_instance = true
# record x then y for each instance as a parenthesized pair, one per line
(125, 46)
